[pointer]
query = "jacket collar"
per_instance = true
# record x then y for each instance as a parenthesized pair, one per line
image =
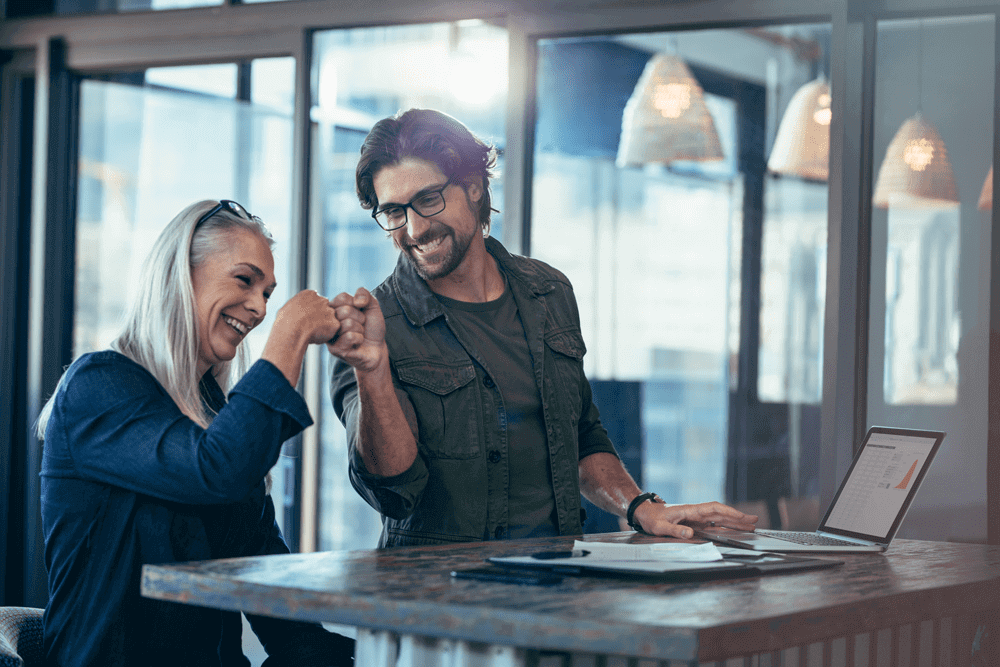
(421, 306)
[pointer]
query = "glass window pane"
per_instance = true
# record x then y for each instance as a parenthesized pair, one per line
(216, 80)
(147, 152)
(142, 5)
(699, 273)
(363, 75)
(272, 84)
(88, 6)
(22, 8)
(931, 220)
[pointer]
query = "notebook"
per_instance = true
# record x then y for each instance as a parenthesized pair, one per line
(870, 503)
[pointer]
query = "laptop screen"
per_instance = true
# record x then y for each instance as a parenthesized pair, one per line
(882, 482)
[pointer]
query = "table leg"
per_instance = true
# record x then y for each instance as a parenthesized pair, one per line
(382, 648)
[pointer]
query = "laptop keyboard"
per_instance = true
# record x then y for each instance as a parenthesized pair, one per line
(807, 538)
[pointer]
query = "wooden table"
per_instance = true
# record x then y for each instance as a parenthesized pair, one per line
(921, 603)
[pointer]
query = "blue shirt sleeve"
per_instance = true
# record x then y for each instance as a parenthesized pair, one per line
(113, 423)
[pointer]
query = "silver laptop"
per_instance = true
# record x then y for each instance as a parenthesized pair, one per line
(870, 503)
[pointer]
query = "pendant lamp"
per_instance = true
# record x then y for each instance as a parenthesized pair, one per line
(916, 172)
(986, 195)
(802, 143)
(666, 119)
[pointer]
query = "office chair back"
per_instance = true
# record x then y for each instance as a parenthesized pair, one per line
(20, 636)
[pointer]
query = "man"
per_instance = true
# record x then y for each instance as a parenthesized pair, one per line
(460, 379)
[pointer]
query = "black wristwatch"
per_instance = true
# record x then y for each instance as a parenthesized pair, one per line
(638, 500)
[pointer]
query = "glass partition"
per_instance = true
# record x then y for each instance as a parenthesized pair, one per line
(360, 76)
(931, 265)
(692, 223)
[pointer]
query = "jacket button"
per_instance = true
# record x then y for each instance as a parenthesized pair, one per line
(498, 533)
(488, 381)
(495, 456)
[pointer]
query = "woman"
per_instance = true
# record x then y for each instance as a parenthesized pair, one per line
(145, 460)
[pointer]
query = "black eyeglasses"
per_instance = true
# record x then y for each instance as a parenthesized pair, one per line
(233, 207)
(393, 216)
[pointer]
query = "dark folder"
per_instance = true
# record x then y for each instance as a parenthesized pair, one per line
(735, 563)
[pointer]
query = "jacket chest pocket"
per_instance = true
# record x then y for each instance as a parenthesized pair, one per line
(564, 368)
(447, 403)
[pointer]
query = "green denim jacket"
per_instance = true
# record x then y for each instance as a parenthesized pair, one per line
(449, 400)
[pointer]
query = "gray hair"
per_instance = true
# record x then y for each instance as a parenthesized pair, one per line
(160, 331)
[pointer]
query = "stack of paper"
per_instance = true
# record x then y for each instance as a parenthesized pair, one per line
(660, 552)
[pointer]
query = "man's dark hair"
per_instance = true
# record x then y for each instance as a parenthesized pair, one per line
(428, 135)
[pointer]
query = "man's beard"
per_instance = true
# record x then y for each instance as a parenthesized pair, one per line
(445, 265)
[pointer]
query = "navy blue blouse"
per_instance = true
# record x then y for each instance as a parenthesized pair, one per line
(128, 479)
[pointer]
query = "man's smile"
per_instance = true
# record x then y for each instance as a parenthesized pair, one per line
(427, 247)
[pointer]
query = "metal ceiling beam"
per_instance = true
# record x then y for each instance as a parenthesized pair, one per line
(236, 21)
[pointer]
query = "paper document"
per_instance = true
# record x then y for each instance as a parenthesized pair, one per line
(662, 551)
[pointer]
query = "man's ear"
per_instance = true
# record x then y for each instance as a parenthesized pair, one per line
(474, 191)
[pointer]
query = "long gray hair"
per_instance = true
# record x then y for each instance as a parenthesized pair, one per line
(160, 331)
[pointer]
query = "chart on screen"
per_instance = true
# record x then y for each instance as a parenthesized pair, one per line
(883, 476)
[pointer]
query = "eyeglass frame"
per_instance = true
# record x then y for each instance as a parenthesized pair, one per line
(233, 207)
(409, 204)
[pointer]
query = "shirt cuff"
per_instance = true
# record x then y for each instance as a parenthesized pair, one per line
(601, 445)
(416, 473)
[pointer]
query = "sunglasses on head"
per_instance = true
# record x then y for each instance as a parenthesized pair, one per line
(233, 207)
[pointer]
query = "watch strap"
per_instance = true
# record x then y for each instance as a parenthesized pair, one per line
(638, 500)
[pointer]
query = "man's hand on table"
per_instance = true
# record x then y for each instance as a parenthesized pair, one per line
(676, 520)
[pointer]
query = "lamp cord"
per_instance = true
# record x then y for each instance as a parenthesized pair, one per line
(920, 67)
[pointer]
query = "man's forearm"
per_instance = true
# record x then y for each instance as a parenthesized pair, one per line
(605, 482)
(386, 442)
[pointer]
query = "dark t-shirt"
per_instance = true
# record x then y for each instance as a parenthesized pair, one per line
(502, 350)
